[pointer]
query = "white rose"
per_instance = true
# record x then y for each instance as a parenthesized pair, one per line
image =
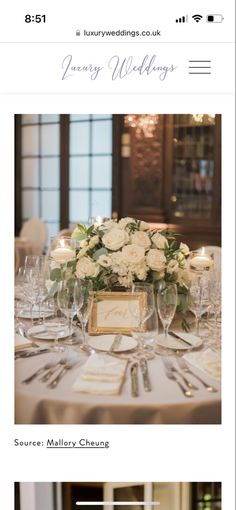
(172, 267)
(184, 249)
(86, 267)
(159, 241)
(115, 239)
(133, 254)
(156, 260)
(141, 239)
(144, 225)
(124, 222)
(104, 261)
(93, 241)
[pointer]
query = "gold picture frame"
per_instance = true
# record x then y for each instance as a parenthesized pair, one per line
(111, 313)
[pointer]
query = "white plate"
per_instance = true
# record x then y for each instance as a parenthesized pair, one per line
(175, 343)
(40, 333)
(104, 342)
(26, 314)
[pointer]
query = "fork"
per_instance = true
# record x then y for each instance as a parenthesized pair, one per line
(52, 370)
(38, 372)
(185, 368)
(188, 383)
(67, 366)
(170, 374)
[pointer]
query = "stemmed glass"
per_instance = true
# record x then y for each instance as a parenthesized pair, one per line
(66, 302)
(57, 328)
(142, 308)
(198, 300)
(215, 302)
(83, 298)
(31, 288)
(166, 304)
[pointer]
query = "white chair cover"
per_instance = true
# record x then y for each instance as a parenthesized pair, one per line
(35, 231)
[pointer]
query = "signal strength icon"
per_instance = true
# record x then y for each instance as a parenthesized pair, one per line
(184, 19)
(197, 17)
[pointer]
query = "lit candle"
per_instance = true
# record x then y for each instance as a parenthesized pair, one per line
(62, 254)
(201, 262)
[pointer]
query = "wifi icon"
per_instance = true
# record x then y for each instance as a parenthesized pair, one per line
(197, 17)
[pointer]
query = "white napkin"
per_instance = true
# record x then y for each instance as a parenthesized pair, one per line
(101, 375)
(209, 361)
(21, 342)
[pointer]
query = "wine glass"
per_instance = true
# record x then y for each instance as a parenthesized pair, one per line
(67, 305)
(215, 305)
(142, 308)
(83, 297)
(198, 300)
(166, 304)
(31, 288)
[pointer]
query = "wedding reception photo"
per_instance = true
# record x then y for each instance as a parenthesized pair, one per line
(118, 496)
(118, 280)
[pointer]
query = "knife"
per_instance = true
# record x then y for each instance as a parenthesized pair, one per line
(115, 343)
(172, 333)
(134, 379)
(145, 374)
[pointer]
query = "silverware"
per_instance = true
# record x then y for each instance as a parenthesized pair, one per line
(175, 378)
(63, 371)
(134, 379)
(31, 353)
(115, 343)
(38, 372)
(185, 368)
(52, 370)
(175, 335)
(169, 365)
(144, 369)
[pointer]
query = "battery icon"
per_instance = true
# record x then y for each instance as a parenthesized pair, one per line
(215, 18)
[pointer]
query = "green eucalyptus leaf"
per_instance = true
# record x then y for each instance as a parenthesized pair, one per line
(98, 253)
(56, 275)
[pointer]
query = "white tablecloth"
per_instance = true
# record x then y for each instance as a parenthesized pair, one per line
(165, 404)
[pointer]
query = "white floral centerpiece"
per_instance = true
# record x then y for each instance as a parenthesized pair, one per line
(118, 253)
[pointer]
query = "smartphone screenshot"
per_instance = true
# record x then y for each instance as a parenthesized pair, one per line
(117, 201)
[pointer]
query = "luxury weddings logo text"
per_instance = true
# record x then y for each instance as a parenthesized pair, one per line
(119, 68)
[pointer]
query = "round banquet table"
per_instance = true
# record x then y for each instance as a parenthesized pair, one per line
(165, 404)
